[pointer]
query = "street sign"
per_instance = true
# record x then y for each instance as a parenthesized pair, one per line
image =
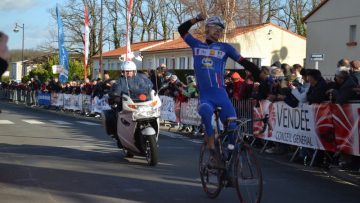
(317, 57)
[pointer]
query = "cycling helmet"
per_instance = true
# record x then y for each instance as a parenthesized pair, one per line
(215, 20)
(129, 66)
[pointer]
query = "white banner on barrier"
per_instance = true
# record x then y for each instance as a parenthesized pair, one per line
(72, 102)
(295, 126)
(99, 105)
(57, 99)
(86, 103)
(167, 110)
(189, 112)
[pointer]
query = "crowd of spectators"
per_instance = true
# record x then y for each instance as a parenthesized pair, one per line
(294, 85)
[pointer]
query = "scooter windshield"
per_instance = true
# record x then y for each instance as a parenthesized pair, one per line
(140, 95)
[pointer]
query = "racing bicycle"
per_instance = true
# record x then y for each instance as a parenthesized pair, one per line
(241, 170)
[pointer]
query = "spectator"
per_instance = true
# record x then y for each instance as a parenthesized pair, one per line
(355, 70)
(87, 88)
(229, 86)
(173, 87)
(279, 87)
(54, 85)
(344, 63)
(190, 91)
(263, 87)
(300, 91)
(318, 87)
(296, 74)
(345, 85)
(276, 64)
(238, 86)
(286, 69)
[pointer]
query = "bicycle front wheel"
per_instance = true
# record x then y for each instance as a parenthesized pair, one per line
(248, 175)
(211, 178)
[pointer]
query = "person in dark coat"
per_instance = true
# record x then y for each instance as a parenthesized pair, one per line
(344, 92)
(318, 87)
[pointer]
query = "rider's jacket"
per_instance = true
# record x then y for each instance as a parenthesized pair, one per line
(210, 61)
(137, 83)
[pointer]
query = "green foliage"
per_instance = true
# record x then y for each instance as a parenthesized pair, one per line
(76, 67)
(42, 74)
(48, 64)
(25, 79)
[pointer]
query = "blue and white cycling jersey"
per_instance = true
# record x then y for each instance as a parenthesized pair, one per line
(209, 64)
(210, 61)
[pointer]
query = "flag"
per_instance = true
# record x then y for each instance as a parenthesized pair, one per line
(86, 42)
(63, 54)
(129, 54)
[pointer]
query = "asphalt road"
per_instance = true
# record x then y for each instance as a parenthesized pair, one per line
(50, 157)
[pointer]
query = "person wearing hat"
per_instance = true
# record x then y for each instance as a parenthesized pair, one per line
(343, 91)
(131, 83)
(238, 86)
(210, 58)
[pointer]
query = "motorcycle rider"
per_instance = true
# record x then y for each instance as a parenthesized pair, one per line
(131, 82)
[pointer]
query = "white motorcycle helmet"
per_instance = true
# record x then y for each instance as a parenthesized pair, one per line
(129, 66)
(215, 20)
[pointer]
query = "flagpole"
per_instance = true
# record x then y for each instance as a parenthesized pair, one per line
(101, 70)
(85, 42)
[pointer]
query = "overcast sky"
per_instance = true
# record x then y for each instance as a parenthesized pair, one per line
(36, 17)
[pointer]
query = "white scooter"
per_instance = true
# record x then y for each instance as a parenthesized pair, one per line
(136, 126)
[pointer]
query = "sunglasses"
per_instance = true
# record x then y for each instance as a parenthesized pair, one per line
(217, 27)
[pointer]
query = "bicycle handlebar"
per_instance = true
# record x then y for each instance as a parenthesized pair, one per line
(265, 120)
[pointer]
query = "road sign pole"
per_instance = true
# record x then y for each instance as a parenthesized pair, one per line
(317, 65)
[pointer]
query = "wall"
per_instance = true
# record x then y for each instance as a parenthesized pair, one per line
(271, 44)
(329, 31)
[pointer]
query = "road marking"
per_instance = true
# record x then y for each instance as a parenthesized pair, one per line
(6, 122)
(87, 123)
(60, 122)
(178, 136)
(33, 121)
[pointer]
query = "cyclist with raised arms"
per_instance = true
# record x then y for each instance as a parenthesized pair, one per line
(209, 65)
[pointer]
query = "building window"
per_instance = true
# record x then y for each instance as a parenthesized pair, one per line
(118, 66)
(150, 63)
(173, 63)
(182, 63)
(162, 61)
(256, 61)
(352, 36)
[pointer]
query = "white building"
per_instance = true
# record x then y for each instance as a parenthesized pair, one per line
(16, 72)
(263, 44)
(332, 30)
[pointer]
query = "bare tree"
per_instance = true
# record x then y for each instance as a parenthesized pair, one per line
(113, 8)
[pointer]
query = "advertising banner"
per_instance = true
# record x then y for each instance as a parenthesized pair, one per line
(189, 112)
(44, 99)
(167, 110)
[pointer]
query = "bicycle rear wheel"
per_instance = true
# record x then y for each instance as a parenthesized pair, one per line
(211, 178)
(248, 175)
